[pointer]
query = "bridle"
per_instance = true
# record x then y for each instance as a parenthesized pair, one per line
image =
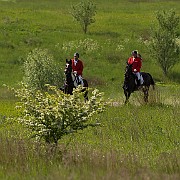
(71, 77)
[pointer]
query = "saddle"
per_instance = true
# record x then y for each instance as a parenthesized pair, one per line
(76, 81)
(139, 82)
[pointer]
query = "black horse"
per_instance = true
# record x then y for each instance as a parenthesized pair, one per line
(72, 81)
(130, 84)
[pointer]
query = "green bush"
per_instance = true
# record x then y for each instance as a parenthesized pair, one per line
(52, 114)
(40, 69)
(164, 46)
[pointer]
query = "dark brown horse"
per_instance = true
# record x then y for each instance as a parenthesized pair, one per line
(130, 84)
(72, 81)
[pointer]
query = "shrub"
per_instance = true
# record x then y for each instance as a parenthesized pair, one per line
(52, 114)
(86, 46)
(164, 46)
(40, 69)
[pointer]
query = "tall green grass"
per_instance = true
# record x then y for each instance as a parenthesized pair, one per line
(133, 142)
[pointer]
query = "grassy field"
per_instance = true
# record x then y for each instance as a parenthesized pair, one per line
(136, 141)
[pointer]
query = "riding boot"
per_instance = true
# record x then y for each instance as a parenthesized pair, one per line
(82, 83)
(138, 83)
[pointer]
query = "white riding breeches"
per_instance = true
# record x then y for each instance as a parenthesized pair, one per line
(139, 76)
(81, 80)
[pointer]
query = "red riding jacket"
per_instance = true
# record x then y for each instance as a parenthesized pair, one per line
(136, 63)
(77, 66)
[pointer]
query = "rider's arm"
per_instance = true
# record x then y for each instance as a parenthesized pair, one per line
(80, 68)
(130, 60)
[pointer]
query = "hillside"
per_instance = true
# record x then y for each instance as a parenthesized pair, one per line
(27, 25)
(120, 27)
(137, 141)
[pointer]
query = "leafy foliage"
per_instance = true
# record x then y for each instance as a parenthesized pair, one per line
(40, 69)
(52, 114)
(83, 13)
(164, 40)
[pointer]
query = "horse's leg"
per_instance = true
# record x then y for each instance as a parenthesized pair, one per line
(127, 94)
(146, 94)
(86, 95)
(86, 90)
(69, 90)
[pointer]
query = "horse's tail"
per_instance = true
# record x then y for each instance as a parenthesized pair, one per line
(152, 81)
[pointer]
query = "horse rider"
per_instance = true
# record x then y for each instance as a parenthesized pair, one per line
(136, 62)
(77, 66)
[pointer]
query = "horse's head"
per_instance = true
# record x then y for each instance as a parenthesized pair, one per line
(128, 70)
(68, 67)
(68, 83)
(129, 80)
(70, 76)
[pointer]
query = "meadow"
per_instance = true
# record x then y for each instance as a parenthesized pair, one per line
(134, 141)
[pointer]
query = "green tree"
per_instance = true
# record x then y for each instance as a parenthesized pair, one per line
(40, 69)
(52, 114)
(84, 13)
(164, 47)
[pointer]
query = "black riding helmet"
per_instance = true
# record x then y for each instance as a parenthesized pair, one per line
(134, 52)
(76, 54)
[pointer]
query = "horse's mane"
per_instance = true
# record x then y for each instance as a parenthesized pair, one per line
(128, 70)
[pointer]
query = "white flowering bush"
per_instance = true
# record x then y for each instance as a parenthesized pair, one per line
(51, 115)
(177, 41)
(40, 69)
(86, 46)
